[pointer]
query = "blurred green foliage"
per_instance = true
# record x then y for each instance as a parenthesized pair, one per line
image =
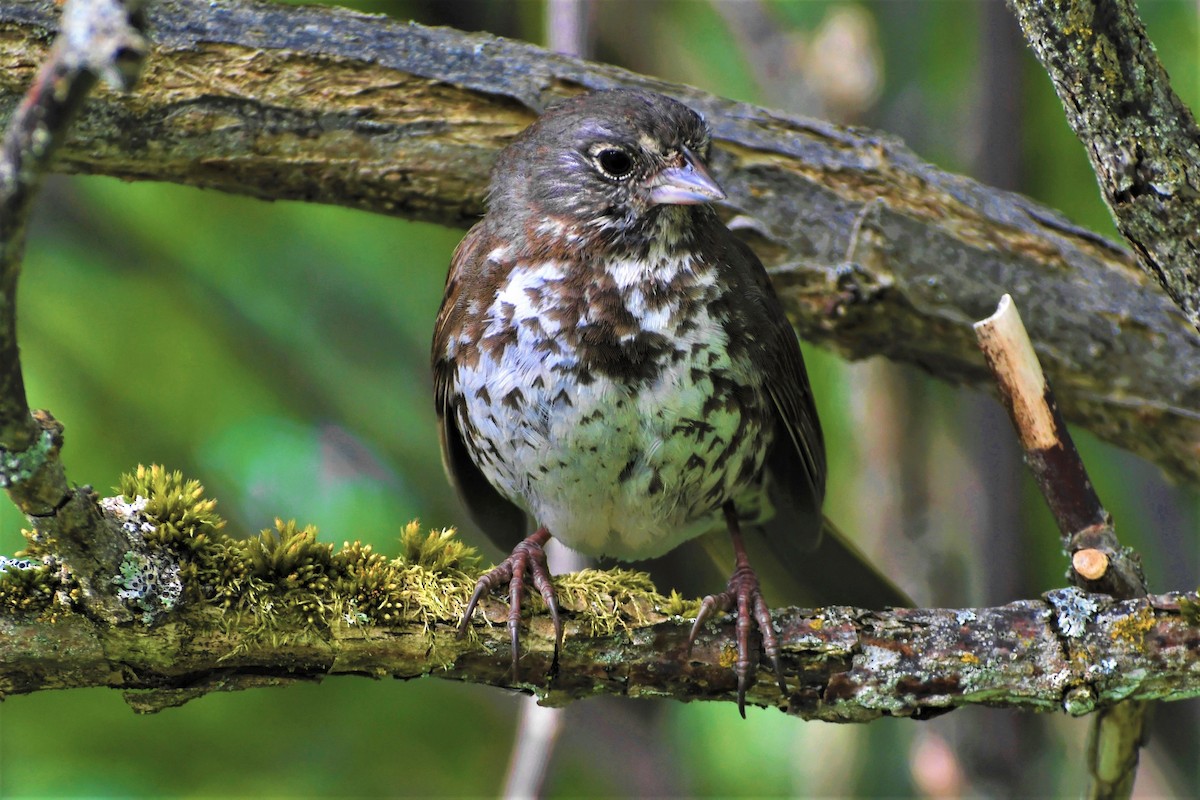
(278, 352)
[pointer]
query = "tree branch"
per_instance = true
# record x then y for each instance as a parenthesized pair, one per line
(1050, 453)
(1071, 651)
(99, 39)
(219, 613)
(873, 251)
(1098, 561)
(1142, 140)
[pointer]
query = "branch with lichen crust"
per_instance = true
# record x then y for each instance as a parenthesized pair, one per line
(873, 251)
(210, 613)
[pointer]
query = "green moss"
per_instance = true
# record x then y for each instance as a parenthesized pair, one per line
(216, 573)
(290, 557)
(1189, 609)
(28, 585)
(676, 605)
(178, 508)
(608, 600)
(285, 584)
(283, 576)
(367, 582)
(438, 550)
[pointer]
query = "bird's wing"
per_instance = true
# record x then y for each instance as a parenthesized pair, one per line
(820, 565)
(503, 522)
(796, 463)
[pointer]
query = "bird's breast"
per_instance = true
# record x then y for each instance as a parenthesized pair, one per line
(610, 404)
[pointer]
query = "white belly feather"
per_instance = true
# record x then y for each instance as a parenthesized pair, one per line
(609, 467)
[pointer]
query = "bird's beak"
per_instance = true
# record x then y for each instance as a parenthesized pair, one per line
(685, 185)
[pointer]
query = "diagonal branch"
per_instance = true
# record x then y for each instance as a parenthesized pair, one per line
(1142, 140)
(873, 251)
(1098, 561)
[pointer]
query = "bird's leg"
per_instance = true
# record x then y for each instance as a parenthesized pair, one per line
(742, 592)
(527, 557)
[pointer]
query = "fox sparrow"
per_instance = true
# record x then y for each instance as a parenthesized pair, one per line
(612, 360)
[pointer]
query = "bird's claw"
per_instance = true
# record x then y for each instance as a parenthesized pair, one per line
(528, 557)
(743, 594)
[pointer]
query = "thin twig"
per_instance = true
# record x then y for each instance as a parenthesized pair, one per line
(1098, 562)
(99, 39)
(1053, 459)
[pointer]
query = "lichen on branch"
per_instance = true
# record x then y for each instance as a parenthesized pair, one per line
(283, 605)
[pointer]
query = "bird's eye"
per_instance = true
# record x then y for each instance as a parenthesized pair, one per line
(614, 162)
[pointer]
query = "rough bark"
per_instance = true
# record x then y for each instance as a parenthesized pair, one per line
(1072, 652)
(873, 251)
(1143, 141)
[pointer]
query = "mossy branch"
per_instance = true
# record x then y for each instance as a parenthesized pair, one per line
(210, 613)
(873, 251)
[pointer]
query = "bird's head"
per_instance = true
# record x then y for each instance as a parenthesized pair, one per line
(611, 165)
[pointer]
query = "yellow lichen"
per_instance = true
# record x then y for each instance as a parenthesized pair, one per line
(1133, 628)
(728, 657)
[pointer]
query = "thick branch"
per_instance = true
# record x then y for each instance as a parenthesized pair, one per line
(874, 252)
(217, 613)
(1143, 141)
(1075, 652)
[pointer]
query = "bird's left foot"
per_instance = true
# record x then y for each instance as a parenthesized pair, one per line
(743, 594)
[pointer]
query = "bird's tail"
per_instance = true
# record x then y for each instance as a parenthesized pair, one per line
(829, 570)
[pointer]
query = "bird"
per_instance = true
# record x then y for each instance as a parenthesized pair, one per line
(611, 361)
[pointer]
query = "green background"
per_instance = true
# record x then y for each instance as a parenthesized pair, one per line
(278, 352)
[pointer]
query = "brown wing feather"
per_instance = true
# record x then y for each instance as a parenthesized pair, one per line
(796, 463)
(501, 520)
(813, 562)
